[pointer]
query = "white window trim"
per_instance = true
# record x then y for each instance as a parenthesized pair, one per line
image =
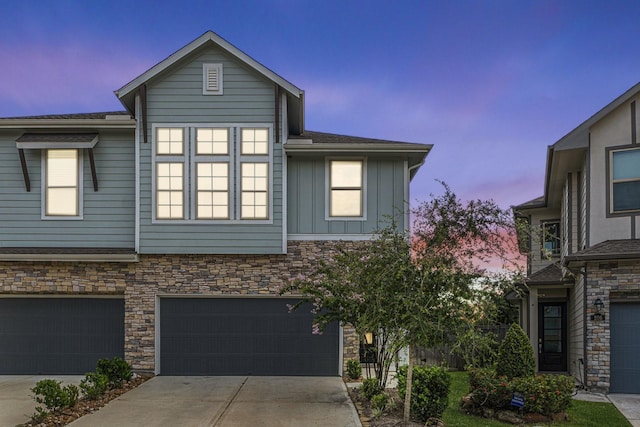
(612, 210)
(327, 192)
(234, 171)
(43, 189)
(205, 79)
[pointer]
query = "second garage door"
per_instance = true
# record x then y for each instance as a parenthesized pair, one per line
(243, 336)
(625, 348)
(59, 335)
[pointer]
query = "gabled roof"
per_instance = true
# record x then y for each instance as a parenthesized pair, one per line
(126, 93)
(607, 250)
(311, 142)
(550, 275)
(538, 202)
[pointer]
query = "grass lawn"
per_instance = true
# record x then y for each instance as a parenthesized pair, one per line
(583, 414)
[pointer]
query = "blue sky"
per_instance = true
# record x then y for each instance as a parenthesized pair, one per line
(490, 83)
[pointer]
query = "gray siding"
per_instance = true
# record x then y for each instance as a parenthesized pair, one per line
(108, 214)
(306, 189)
(176, 97)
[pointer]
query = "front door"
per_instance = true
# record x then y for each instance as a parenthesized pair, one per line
(552, 336)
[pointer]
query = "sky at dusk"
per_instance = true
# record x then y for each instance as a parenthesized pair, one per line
(489, 83)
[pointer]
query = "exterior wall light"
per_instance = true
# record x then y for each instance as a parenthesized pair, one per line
(599, 306)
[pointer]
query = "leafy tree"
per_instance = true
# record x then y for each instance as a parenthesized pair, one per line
(411, 289)
(515, 356)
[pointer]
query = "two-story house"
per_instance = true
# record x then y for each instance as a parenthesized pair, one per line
(582, 308)
(163, 233)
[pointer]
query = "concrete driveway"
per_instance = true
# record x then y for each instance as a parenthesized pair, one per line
(16, 400)
(230, 401)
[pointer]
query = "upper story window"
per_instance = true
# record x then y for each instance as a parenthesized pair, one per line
(212, 173)
(346, 188)
(551, 238)
(62, 184)
(625, 180)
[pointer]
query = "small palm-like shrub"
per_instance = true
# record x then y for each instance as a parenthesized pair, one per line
(354, 370)
(515, 355)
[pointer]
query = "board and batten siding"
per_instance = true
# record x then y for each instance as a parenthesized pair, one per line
(108, 214)
(176, 97)
(306, 187)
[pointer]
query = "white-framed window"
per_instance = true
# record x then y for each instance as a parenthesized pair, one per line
(212, 172)
(170, 173)
(624, 180)
(62, 183)
(551, 238)
(345, 188)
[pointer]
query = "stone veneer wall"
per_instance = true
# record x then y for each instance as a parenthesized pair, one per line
(241, 275)
(606, 280)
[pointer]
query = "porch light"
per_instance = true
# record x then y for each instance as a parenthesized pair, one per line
(368, 338)
(599, 306)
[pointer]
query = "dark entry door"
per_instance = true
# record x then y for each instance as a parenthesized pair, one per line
(552, 336)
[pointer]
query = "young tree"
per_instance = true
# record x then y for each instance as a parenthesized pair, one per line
(412, 290)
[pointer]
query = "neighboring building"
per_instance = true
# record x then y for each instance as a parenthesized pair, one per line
(163, 233)
(582, 309)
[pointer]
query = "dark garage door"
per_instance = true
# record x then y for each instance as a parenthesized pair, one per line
(59, 335)
(625, 348)
(243, 336)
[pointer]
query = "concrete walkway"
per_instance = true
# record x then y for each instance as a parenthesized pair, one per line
(627, 404)
(230, 401)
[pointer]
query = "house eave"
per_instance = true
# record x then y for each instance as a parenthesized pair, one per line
(66, 124)
(44, 257)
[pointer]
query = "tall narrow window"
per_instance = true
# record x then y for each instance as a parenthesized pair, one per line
(345, 188)
(551, 238)
(170, 173)
(255, 190)
(213, 190)
(62, 183)
(625, 180)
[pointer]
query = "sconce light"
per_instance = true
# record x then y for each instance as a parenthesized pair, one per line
(368, 338)
(599, 306)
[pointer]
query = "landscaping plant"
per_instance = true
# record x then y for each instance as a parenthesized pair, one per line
(116, 369)
(94, 385)
(370, 387)
(54, 397)
(515, 355)
(429, 393)
(354, 370)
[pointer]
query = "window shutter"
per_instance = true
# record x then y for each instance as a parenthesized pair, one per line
(212, 79)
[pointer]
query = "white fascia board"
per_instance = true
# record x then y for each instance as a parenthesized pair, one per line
(209, 36)
(306, 147)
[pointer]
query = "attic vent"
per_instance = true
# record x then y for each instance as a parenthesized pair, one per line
(212, 79)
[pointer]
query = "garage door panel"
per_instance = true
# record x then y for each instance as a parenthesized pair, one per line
(59, 335)
(243, 336)
(625, 348)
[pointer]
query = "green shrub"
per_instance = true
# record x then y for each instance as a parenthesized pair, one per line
(354, 370)
(94, 385)
(53, 396)
(379, 402)
(543, 394)
(429, 391)
(515, 355)
(370, 387)
(116, 369)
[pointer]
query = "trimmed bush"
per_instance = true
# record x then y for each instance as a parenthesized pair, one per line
(54, 397)
(515, 355)
(370, 388)
(116, 370)
(429, 391)
(94, 385)
(354, 370)
(543, 394)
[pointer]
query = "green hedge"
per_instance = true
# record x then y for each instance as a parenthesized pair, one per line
(543, 394)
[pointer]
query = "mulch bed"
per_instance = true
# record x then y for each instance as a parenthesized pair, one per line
(85, 406)
(392, 417)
